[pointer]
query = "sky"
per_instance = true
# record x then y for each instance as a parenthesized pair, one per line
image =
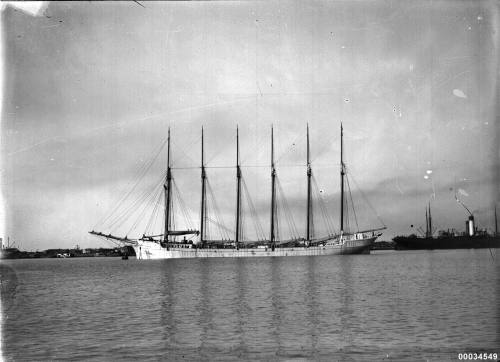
(90, 90)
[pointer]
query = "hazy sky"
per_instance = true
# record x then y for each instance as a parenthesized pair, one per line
(91, 88)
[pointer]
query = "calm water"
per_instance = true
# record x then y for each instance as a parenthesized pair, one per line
(386, 306)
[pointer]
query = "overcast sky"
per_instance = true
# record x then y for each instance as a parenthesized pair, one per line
(91, 88)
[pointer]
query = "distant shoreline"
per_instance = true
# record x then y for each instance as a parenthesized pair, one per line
(14, 253)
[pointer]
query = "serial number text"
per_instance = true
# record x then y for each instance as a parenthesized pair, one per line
(476, 356)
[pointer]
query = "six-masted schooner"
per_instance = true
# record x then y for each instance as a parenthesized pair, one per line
(197, 245)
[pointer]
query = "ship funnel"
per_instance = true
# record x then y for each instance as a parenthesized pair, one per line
(469, 225)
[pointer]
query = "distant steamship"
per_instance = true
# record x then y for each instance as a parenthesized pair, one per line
(471, 238)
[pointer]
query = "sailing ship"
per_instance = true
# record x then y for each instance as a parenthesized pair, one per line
(471, 238)
(196, 244)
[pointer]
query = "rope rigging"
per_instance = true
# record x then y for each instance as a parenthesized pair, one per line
(154, 215)
(185, 211)
(352, 202)
(142, 173)
(243, 167)
(146, 205)
(221, 226)
(253, 213)
(367, 201)
(323, 210)
(212, 205)
(347, 224)
(125, 214)
(282, 202)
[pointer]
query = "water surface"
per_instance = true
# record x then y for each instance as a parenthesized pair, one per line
(414, 305)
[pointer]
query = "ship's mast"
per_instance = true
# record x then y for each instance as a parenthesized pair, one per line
(273, 192)
(496, 224)
(203, 196)
(168, 191)
(430, 221)
(309, 204)
(238, 190)
(342, 173)
(426, 223)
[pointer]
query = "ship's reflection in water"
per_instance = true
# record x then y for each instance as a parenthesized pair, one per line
(244, 308)
(257, 308)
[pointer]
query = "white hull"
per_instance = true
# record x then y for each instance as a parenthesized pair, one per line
(153, 250)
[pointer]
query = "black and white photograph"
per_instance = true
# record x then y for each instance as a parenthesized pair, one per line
(250, 180)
